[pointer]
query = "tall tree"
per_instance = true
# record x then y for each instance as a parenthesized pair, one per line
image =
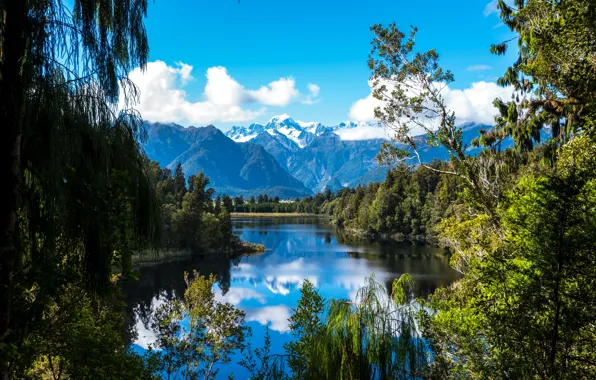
(179, 180)
(554, 73)
(63, 73)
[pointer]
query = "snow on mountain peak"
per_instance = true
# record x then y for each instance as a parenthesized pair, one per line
(278, 118)
(303, 133)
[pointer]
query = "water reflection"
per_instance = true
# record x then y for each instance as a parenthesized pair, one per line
(266, 287)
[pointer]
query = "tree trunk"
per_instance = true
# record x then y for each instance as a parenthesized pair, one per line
(12, 101)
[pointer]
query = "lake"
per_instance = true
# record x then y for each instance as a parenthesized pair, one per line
(267, 287)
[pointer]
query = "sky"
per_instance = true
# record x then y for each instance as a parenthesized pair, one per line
(227, 63)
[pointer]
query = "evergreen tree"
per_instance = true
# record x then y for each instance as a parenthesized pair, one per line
(179, 181)
(228, 205)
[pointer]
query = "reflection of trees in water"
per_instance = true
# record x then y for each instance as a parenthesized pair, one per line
(167, 280)
(318, 221)
(428, 269)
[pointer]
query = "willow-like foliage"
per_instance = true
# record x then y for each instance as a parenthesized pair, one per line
(375, 336)
(85, 185)
(77, 182)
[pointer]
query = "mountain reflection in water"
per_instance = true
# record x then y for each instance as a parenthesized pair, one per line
(267, 287)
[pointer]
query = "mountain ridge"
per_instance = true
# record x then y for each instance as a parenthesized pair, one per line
(233, 168)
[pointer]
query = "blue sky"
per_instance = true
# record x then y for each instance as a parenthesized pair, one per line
(294, 44)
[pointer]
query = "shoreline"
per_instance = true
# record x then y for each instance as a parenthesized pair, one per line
(273, 215)
(388, 237)
(158, 256)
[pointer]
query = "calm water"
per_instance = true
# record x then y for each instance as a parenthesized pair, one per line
(267, 287)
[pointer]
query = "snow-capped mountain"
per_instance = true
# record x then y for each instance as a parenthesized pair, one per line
(299, 132)
(243, 134)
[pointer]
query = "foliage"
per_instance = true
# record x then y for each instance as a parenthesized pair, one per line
(76, 198)
(214, 332)
(408, 206)
(553, 74)
(374, 336)
(79, 337)
(265, 204)
(191, 220)
(260, 363)
(540, 274)
(524, 234)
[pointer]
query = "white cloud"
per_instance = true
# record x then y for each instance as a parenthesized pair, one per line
(145, 336)
(278, 93)
(364, 132)
(364, 109)
(313, 91)
(490, 8)
(478, 68)
(474, 104)
(162, 97)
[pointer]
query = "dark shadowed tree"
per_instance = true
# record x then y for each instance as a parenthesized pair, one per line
(66, 150)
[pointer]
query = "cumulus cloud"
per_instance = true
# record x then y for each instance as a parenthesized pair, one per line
(278, 93)
(162, 95)
(474, 104)
(364, 109)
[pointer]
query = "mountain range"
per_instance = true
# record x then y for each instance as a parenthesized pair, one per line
(283, 157)
(233, 168)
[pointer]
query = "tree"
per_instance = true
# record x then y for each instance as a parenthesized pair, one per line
(215, 331)
(227, 203)
(307, 326)
(217, 205)
(179, 181)
(190, 217)
(374, 336)
(410, 85)
(539, 270)
(553, 74)
(60, 140)
(239, 200)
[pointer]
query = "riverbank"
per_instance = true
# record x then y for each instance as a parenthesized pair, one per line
(271, 214)
(237, 250)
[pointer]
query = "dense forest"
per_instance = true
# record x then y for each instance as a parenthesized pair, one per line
(79, 200)
(408, 205)
(189, 219)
